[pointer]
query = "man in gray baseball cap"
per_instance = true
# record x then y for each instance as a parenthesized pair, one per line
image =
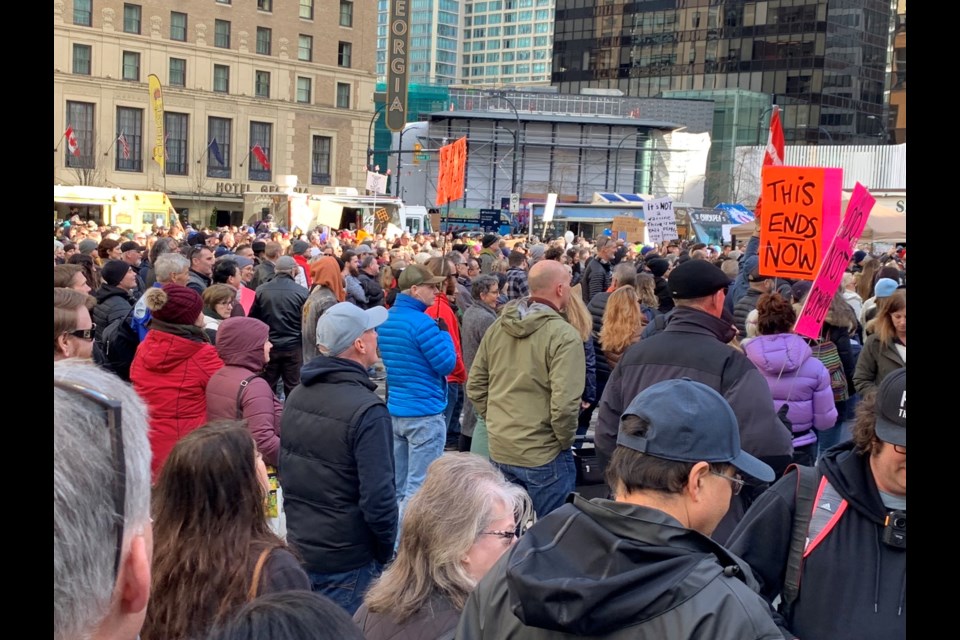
(641, 565)
(336, 459)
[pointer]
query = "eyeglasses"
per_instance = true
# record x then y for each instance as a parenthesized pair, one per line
(900, 448)
(503, 535)
(736, 480)
(82, 334)
(113, 409)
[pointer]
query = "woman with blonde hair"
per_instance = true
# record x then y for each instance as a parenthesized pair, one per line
(622, 324)
(646, 294)
(455, 528)
(885, 349)
(867, 280)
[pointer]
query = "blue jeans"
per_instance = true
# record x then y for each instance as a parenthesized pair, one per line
(547, 485)
(417, 442)
(347, 588)
(451, 414)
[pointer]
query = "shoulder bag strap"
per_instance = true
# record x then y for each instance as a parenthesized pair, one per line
(243, 386)
(257, 571)
(807, 479)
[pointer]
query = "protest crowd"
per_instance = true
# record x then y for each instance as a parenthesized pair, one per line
(334, 434)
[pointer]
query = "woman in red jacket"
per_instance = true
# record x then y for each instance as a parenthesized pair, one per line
(443, 309)
(172, 367)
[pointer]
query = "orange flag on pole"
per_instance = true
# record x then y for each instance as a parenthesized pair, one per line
(452, 175)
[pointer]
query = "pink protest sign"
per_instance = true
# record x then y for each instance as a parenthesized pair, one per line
(834, 263)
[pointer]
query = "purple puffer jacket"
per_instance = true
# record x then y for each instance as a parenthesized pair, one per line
(791, 371)
(240, 343)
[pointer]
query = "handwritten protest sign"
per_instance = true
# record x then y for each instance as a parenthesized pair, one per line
(834, 264)
(630, 229)
(801, 214)
(661, 222)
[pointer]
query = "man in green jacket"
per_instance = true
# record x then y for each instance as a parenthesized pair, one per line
(526, 382)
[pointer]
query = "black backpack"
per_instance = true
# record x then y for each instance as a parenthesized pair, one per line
(119, 345)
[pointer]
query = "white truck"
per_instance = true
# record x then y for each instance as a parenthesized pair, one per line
(337, 208)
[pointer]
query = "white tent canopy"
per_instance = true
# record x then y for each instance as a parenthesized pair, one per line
(883, 225)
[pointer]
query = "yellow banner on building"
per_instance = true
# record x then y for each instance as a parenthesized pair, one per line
(156, 96)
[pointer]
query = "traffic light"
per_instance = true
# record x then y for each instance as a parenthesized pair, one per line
(417, 147)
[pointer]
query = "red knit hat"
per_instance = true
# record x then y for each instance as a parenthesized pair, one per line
(174, 303)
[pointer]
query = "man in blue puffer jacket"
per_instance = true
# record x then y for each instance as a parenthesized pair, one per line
(418, 354)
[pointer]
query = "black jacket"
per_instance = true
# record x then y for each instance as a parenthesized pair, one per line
(264, 273)
(596, 278)
(661, 288)
(596, 307)
(693, 345)
(854, 583)
(604, 569)
(742, 309)
(336, 468)
(112, 303)
(279, 303)
(372, 289)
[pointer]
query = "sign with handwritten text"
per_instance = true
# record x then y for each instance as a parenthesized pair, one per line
(834, 263)
(801, 214)
(660, 219)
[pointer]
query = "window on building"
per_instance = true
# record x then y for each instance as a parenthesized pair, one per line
(264, 36)
(343, 95)
(178, 26)
(221, 78)
(306, 9)
(219, 130)
(346, 13)
(344, 54)
(320, 160)
(265, 5)
(83, 13)
(129, 140)
(305, 48)
(221, 34)
(224, 1)
(80, 119)
(175, 129)
(260, 134)
(131, 66)
(178, 72)
(262, 84)
(131, 18)
(304, 86)
(82, 54)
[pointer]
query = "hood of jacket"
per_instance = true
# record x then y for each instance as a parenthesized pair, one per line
(778, 353)
(240, 342)
(631, 564)
(331, 370)
(161, 352)
(525, 317)
(850, 474)
(109, 291)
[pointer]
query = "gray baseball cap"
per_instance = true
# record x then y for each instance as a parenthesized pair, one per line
(343, 323)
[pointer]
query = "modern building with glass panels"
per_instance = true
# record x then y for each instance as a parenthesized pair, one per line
(434, 41)
(507, 42)
(826, 63)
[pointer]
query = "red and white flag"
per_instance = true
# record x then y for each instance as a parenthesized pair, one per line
(72, 145)
(261, 156)
(773, 154)
(124, 146)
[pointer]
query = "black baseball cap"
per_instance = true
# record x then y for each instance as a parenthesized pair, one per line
(892, 408)
(696, 279)
(690, 422)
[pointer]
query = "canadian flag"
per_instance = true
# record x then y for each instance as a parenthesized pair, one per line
(72, 145)
(773, 154)
(261, 156)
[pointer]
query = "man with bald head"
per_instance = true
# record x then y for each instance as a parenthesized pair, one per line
(526, 382)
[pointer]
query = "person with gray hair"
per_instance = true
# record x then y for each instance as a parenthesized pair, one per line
(336, 461)
(169, 267)
(102, 534)
(465, 516)
(485, 290)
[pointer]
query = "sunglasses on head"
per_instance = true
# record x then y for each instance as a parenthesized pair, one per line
(82, 334)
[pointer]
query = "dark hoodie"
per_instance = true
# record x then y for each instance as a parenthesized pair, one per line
(336, 468)
(608, 569)
(240, 345)
(112, 303)
(855, 585)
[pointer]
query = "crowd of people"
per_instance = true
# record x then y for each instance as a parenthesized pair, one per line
(341, 434)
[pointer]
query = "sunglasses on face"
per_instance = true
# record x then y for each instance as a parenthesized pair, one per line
(82, 334)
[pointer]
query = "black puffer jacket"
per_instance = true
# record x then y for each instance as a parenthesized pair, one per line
(112, 303)
(336, 468)
(279, 303)
(372, 289)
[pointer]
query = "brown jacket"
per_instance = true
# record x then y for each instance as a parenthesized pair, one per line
(435, 621)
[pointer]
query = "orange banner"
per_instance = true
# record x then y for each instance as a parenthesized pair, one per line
(801, 214)
(452, 171)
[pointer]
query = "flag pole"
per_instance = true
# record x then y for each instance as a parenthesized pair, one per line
(246, 157)
(205, 152)
(56, 147)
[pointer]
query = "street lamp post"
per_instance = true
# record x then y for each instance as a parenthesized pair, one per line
(884, 135)
(819, 129)
(400, 158)
(760, 120)
(370, 136)
(616, 158)
(516, 138)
